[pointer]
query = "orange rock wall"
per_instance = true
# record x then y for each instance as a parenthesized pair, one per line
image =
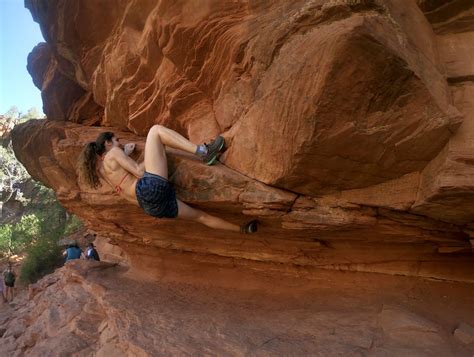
(347, 123)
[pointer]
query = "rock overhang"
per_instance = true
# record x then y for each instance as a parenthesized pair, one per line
(333, 113)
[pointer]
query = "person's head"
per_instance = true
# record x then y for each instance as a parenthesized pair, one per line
(87, 161)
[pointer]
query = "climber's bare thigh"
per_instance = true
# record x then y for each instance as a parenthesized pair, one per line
(155, 155)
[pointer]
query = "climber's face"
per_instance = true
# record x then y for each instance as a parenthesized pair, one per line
(115, 142)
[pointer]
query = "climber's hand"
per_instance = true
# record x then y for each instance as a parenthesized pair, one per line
(128, 148)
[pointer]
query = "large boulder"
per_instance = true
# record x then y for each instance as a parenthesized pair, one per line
(304, 108)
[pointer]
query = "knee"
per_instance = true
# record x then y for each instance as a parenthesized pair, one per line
(156, 129)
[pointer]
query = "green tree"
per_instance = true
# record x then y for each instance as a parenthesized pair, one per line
(13, 112)
(32, 113)
(43, 221)
(38, 233)
(12, 174)
(43, 254)
(16, 237)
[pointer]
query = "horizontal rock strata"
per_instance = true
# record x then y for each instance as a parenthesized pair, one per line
(335, 231)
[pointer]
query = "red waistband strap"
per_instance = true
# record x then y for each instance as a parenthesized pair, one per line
(118, 189)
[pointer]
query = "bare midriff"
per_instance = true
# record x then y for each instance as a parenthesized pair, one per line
(122, 181)
(127, 188)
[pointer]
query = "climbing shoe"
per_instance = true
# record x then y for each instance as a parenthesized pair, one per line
(215, 147)
(250, 227)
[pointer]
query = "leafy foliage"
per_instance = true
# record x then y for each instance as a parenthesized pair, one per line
(43, 213)
(14, 238)
(44, 221)
(12, 174)
(14, 113)
(41, 259)
(43, 254)
(5, 235)
(37, 234)
(40, 235)
(73, 225)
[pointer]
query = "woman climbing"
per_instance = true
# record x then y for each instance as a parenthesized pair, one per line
(146, 184)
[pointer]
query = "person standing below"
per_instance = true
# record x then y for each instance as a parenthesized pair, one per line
(2, 292)
(92, 253)
(73, 252)
(9, 278)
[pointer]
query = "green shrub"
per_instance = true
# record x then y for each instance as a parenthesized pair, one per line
(44, 254)
(5, 239)
(41, 258)
(14, 238)
(43, 222)
(73, 224)
(38, 234)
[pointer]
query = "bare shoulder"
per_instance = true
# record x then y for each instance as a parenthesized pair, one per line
(112, 159)
(114, 152)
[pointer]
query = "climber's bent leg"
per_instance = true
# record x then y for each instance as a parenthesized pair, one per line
(206, 152)
(155, 154)
(193, 214)
(173, 139)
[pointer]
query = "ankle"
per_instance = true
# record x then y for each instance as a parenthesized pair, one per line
(201, 150)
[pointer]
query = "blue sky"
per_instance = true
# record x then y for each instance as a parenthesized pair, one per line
(18, 35)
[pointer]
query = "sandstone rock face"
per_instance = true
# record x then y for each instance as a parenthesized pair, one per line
(452, 16)
(209, 73)
(94, 309)
(348, 125)
(447, 186)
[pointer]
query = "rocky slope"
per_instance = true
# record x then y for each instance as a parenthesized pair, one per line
(94, 309)
(349, 125)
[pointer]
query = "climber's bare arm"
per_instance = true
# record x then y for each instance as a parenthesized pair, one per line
(128, 150)
(127, 163)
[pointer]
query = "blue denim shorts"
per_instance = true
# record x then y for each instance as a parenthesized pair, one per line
(157, 196)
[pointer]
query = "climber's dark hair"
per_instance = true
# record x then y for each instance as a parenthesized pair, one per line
(87, 161)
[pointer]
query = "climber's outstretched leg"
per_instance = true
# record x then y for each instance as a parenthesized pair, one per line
(193, 214)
